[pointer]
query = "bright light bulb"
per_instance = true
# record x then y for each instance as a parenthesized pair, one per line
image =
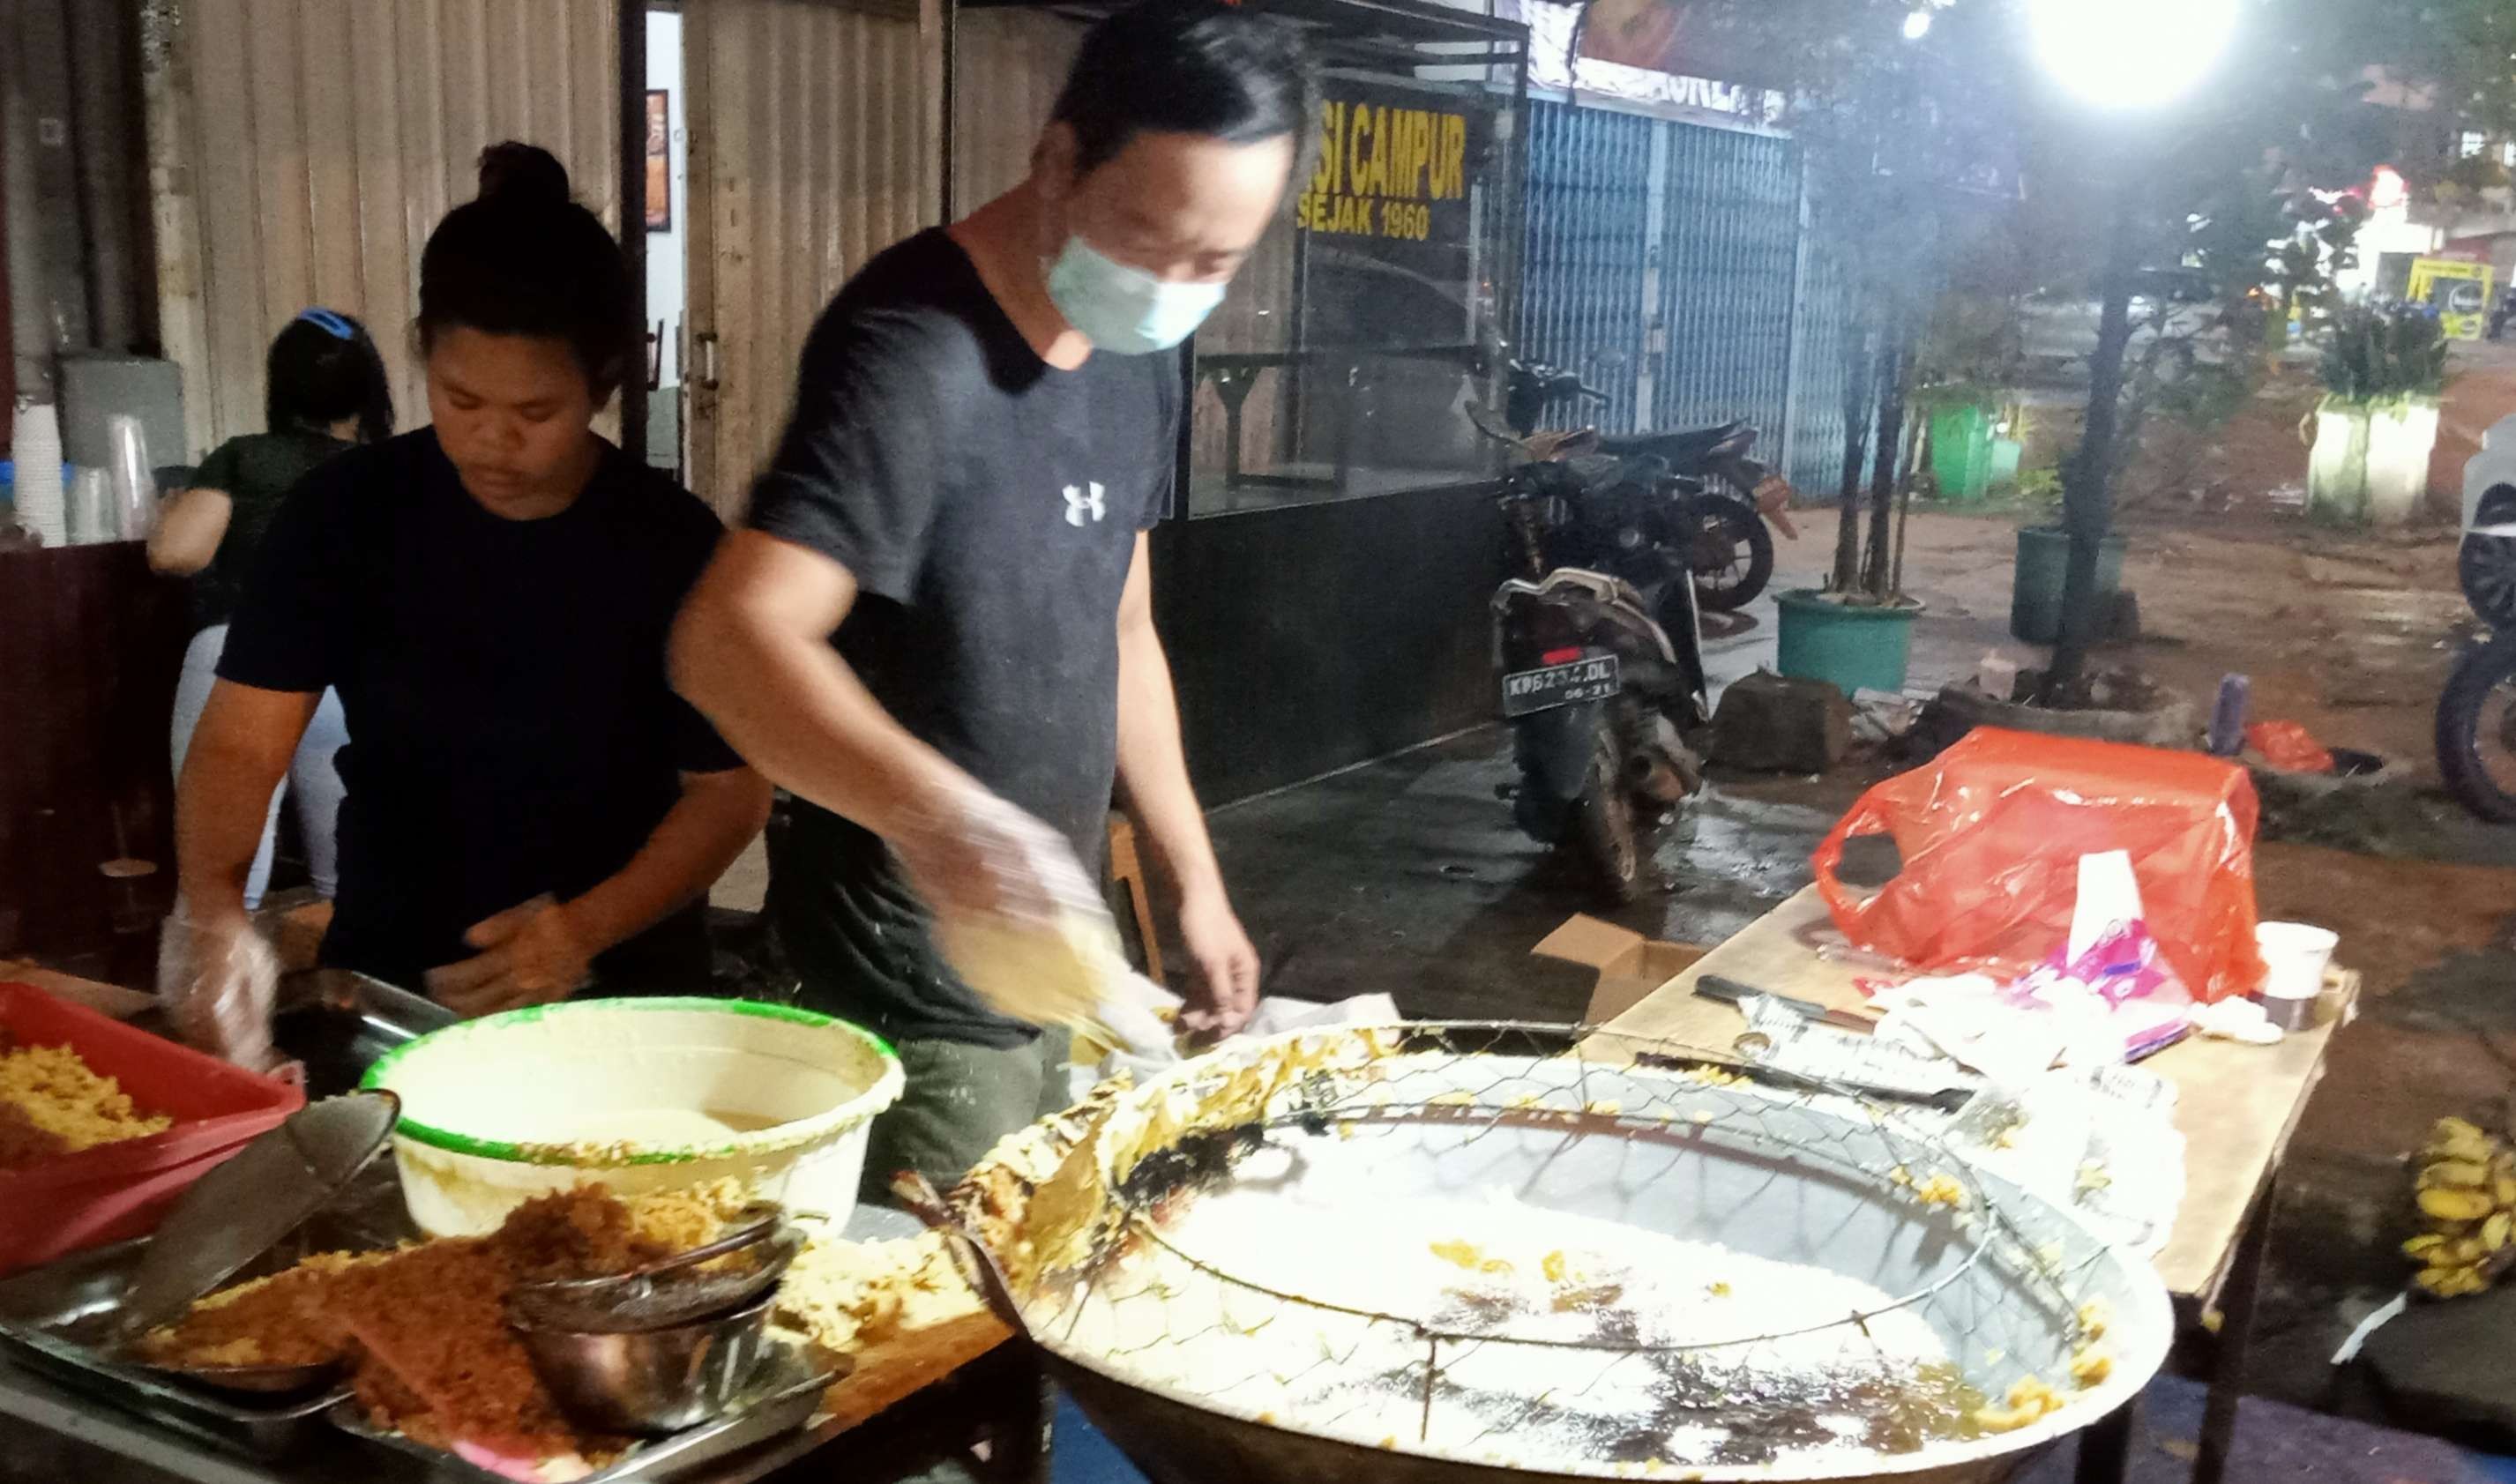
(2133, 54)
(1917, 24)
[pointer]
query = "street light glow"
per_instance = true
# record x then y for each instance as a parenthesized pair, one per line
(1917, 24)
(2131, 53)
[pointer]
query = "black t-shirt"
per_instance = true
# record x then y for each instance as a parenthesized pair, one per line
(987, 506)
(512, 729)
(255, 472)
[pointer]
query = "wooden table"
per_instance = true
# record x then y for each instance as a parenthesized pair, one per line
(2236, 1107)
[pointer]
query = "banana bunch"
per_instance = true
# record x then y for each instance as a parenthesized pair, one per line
(2466, 1192)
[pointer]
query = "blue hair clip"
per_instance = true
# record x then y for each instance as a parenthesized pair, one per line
(330, 323)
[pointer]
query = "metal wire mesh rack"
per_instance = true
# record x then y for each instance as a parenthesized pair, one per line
(1510, 1243)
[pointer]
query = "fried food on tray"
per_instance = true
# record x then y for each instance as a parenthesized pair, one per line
(53, 1103)
(850, 1296)
(424, 1329)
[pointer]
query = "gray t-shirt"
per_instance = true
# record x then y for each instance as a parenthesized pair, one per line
(987, 506)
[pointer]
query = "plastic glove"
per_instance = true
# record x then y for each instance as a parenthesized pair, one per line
(219, 983)
(971, 853)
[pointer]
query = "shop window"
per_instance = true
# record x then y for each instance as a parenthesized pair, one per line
(1354, 341)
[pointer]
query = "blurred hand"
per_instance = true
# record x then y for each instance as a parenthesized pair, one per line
(967, 851)
(218, 979)
(531, 954)
(1225, 993)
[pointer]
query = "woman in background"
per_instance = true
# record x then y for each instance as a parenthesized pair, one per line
(324, 394)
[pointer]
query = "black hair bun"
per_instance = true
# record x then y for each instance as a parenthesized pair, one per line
(523, 174)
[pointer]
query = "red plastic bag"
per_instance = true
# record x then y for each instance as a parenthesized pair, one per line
(1990, 836)
(2290, 747)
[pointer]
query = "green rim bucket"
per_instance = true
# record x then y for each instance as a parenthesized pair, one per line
(1855, 649)
(2043, 567)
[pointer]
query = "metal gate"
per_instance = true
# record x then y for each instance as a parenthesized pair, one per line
(1588, 246)
(1667, 263)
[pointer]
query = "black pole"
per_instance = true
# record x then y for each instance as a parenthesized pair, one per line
(632, 191)
(1890, 462)
(2087, 481)
(1856, 445)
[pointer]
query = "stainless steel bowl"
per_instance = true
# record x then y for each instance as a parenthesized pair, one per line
(651, 1381)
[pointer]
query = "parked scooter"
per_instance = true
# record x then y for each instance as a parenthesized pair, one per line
(1601, 700)
(2476, 729)
(1718, 500)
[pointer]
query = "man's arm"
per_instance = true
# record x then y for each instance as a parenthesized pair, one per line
(543, 948)
(1153, 771)
(752, 651)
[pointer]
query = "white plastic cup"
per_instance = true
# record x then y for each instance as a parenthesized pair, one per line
(132, 485)
(2294, 957)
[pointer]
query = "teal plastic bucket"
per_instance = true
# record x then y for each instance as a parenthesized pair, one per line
(2043, 567)
(1961, 453)
(1854, 649)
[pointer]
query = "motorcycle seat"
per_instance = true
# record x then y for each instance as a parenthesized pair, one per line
(1559, 443)
(1682, 450)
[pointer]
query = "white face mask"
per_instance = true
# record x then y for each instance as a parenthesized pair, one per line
(1125, 310)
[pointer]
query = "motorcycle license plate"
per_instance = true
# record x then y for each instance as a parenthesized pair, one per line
(1591, 678)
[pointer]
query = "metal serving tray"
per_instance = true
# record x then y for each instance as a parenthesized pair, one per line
(57, 1318)
(49, 1316)
(781, 1397)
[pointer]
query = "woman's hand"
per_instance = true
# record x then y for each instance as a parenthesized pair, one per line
(218, 979)
(532, 954)
(1226, 992)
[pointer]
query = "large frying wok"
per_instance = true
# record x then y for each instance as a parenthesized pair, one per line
(1226, 1272)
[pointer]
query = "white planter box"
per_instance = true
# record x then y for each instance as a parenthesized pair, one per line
(2370, 466)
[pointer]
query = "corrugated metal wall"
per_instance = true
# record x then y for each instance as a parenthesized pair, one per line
(1588, 245)
(1728, 276)
(306, 148)
(816, 142)
(1819, 375)
(1635, 222)
(1008, 66)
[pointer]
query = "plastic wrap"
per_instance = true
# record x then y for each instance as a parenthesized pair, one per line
(1990, 835)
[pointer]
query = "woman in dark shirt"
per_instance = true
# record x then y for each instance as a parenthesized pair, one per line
(532, 811)
(323, 393)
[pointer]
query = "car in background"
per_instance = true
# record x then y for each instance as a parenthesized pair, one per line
(2486, 562)
(2058, 330)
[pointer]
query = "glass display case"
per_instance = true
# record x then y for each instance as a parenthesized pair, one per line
(1356, 337)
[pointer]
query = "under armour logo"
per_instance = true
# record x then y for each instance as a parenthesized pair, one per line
(1077, 502)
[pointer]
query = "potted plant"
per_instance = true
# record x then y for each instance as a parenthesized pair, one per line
(1892, 122)
(2383, 375)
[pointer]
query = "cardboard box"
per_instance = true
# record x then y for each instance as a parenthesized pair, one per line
(1629, 966)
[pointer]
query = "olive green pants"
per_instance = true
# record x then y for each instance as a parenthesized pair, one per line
(959, 1102)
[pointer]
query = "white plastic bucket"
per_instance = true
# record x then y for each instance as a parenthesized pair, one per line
(2294, 957)
(636, 1095)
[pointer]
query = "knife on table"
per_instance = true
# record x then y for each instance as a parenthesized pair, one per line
(1732, 992)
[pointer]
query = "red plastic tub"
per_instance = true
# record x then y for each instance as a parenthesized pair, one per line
(119, 1190)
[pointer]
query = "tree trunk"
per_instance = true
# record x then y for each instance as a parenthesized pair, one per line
(1856, 442)
(1890, 461)
(2088, 480)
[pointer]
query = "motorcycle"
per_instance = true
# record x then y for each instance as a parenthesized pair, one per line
(1601, 700)
(1719, 500)
(2476, 729)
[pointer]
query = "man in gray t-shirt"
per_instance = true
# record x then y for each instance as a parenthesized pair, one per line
(937, 632)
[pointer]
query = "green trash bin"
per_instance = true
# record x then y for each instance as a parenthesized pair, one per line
(1961, 453)
(2043, 567)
